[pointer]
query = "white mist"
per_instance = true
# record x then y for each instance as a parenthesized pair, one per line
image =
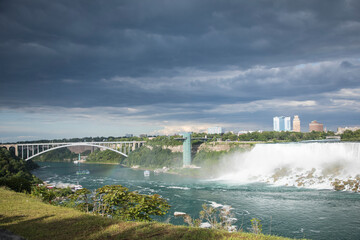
(314, 165)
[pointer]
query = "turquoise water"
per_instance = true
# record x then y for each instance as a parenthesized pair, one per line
(291, 212)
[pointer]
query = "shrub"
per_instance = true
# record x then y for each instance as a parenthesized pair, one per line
(218, 219)
(256, 226)
(16, 183)
(45, 194)
(117, 201)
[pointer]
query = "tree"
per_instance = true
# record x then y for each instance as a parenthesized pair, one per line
(15, 172)
(117, 201)
(82, 200)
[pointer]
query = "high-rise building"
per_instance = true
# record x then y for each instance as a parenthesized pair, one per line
(296, 124)
(316, 126)
(281, 124)
(215, 130)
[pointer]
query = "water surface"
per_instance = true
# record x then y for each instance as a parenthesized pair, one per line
(289, 211)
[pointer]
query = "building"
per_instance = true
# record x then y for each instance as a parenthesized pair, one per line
(341, 130)
(242, 132)
(316, 126)
(215, 130)
(296, 124)
(281, 123)
(246, 132)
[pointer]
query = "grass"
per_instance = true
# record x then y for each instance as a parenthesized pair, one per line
(32, 219)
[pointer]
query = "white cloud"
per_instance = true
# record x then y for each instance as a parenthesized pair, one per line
(262, 105)
(349, 93)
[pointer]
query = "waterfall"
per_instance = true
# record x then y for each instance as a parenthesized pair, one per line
(314, 165)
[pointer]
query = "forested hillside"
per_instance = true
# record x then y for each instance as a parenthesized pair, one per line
(154, 157)
(15, 172)
(57, 155)
(106, 156)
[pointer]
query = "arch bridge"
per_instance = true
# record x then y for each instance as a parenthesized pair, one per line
(28, 151)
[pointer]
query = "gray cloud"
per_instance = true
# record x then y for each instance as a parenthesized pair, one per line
(180, 59)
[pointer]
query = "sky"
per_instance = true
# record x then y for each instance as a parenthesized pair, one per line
(107, 68)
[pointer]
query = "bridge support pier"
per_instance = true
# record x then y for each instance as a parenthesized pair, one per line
(8, 146)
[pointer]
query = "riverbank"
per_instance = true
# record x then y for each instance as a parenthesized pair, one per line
(30, 218)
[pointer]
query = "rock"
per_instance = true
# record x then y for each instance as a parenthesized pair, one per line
(205, 225)
(179, 214)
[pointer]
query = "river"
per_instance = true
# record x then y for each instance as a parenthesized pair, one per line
(287, 211)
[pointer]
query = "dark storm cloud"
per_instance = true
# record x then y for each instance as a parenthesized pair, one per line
(133, 53)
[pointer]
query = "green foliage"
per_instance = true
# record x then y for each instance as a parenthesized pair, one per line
(11, 165)
(165, 141)
(51, 195)
(272, 136)
(351, 135)
(56, 155)
(283, 136)
(218, 219)
(81, 200)
(256, 226)
(155, 157)
(117, 201)
(15, 172)
(106, 156)
(16, 183)
(45, 194)
(208, 159)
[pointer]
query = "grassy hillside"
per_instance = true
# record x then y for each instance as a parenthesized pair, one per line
(32, 219)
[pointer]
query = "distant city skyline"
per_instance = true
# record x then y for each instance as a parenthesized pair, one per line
(110, 68)
(281, 123)
(215, 130)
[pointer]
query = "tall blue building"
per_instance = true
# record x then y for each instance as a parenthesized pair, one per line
(281, 124)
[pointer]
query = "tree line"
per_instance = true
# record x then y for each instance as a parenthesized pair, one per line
(230, 136)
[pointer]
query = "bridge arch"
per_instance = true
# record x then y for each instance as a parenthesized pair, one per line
(79, 144)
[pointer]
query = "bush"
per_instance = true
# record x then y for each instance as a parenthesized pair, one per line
(218, 219)
(45, 194)
(16, 183)
(256, 226)
(117, 201)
